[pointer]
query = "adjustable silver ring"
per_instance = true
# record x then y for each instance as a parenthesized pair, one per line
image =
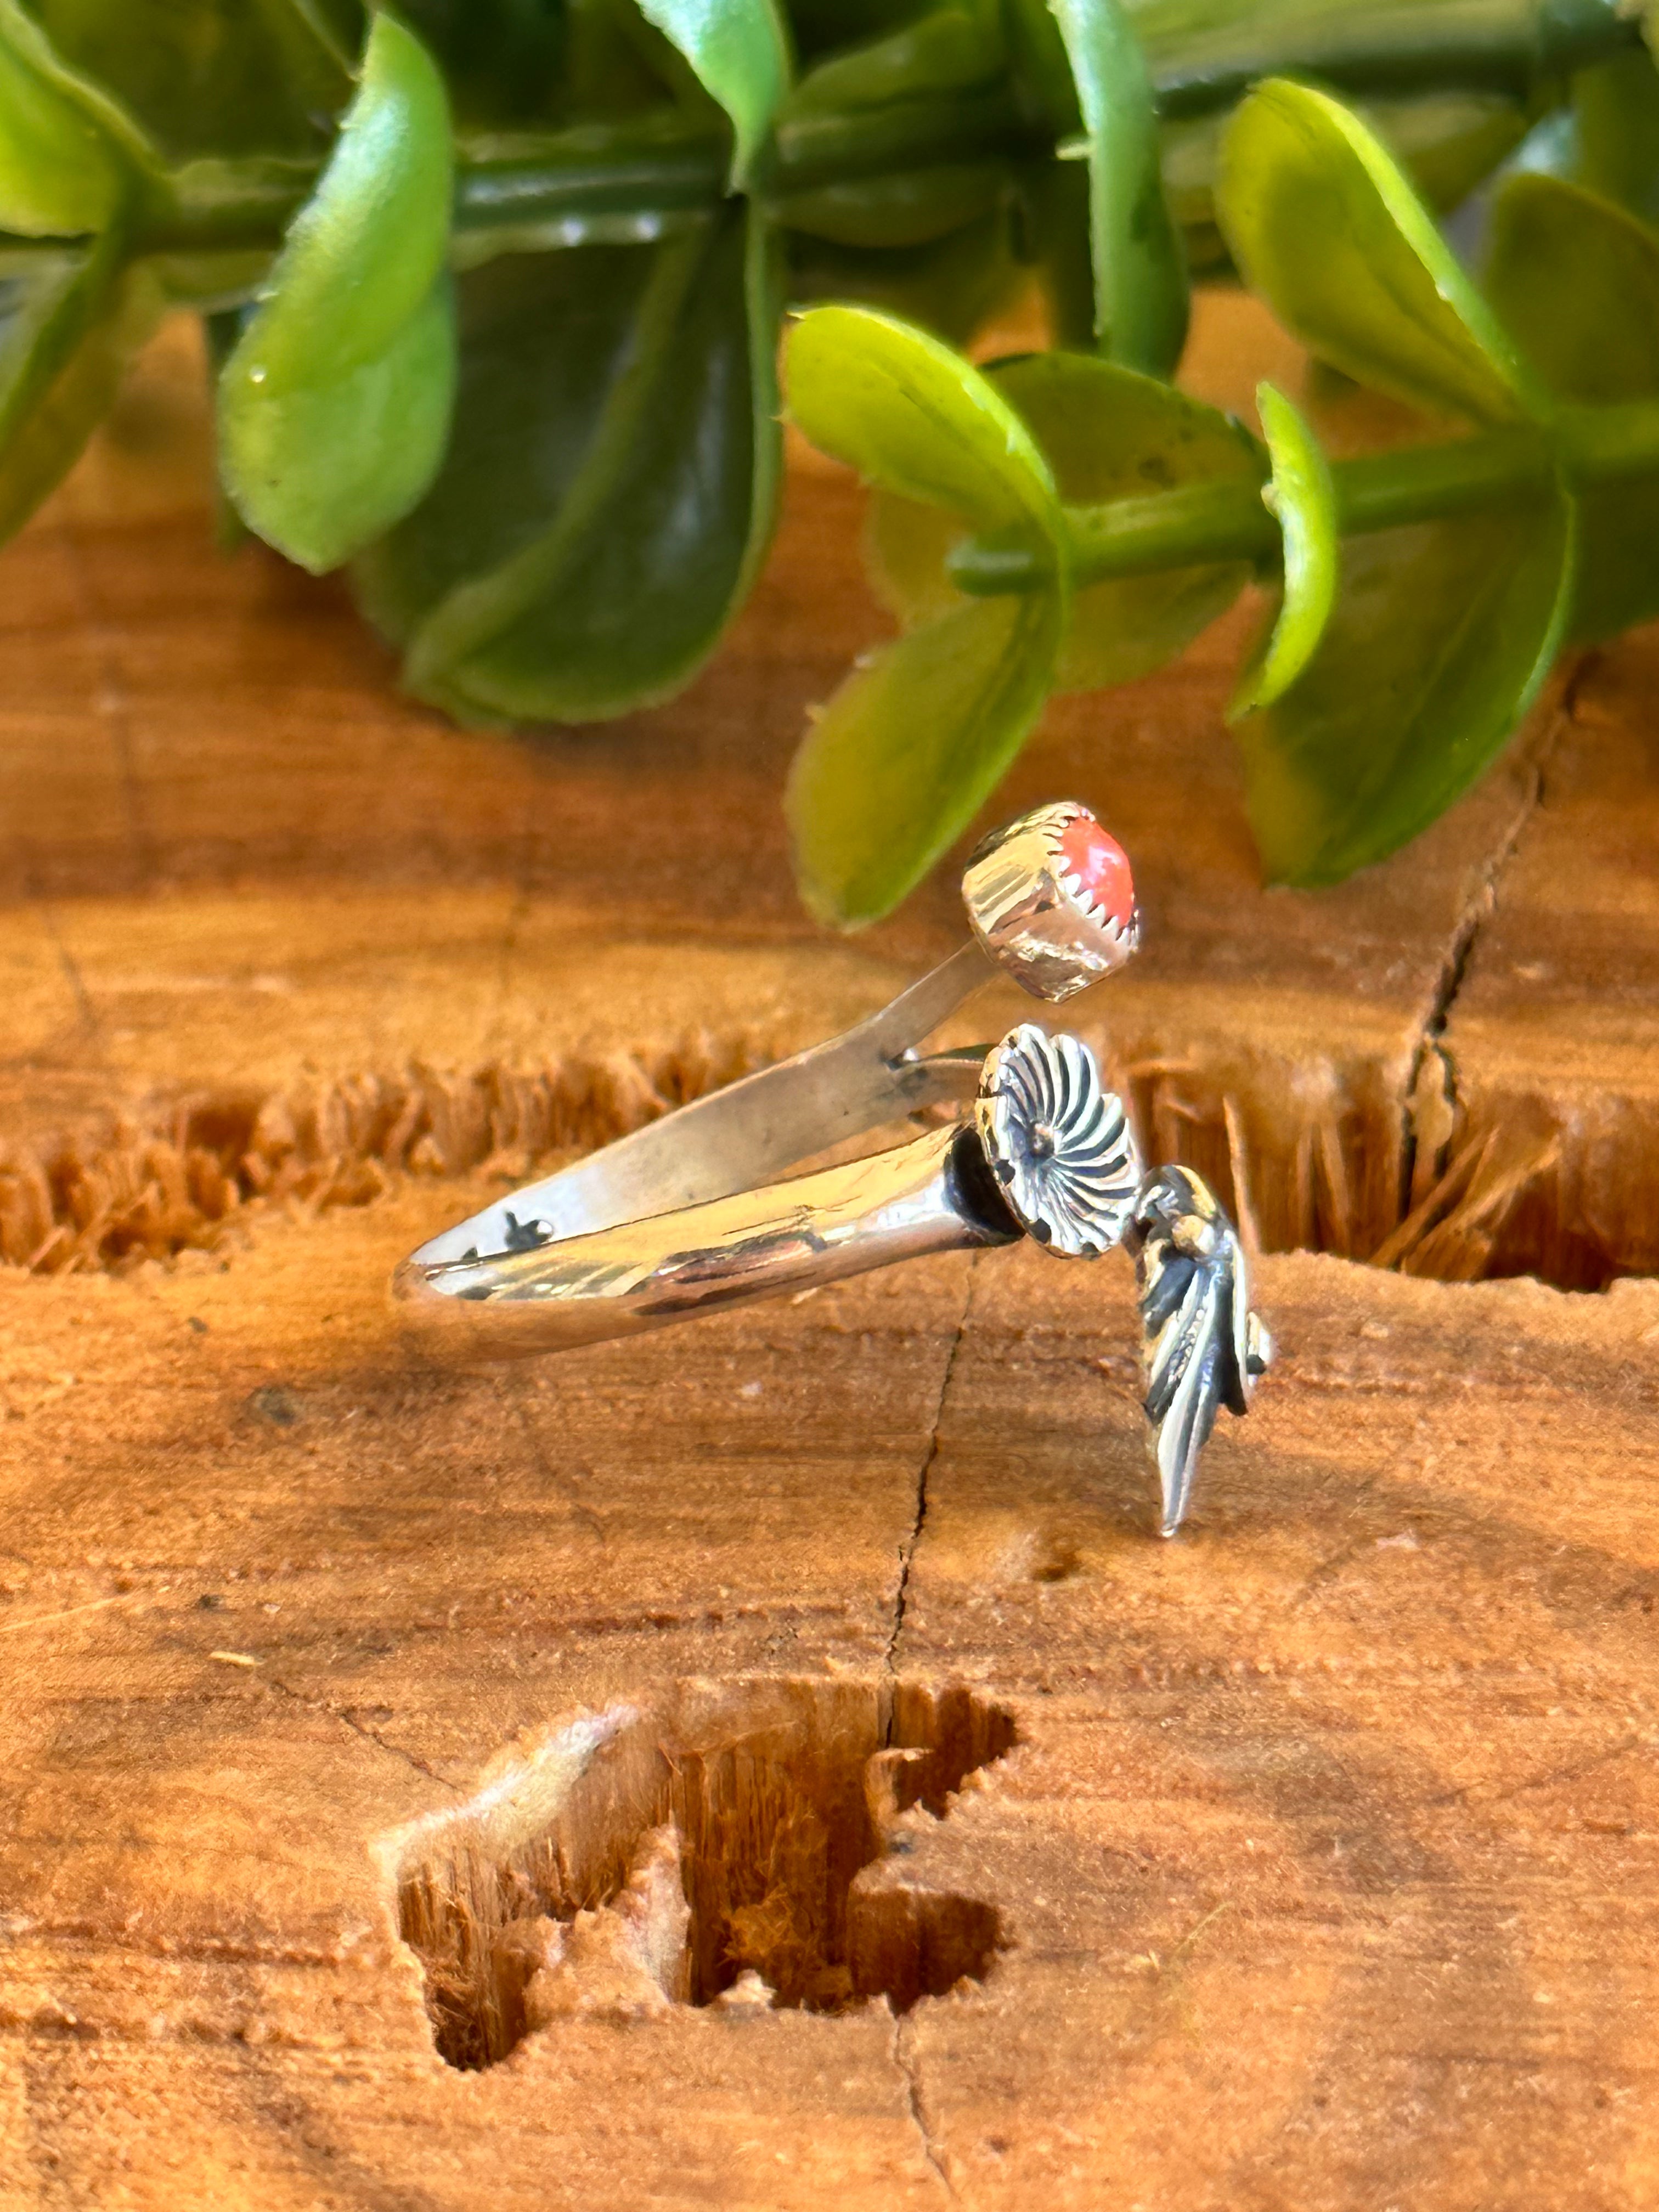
(683, 1216)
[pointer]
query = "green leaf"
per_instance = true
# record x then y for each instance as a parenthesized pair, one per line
(1441, 638)
(320, 469)
(949, 49)
(895, 766)
(1323, 223)
(63, 172)
(1304, 498)
(822, 27)
(913, 417)
(1107, 434)
(1446, 140)
(214, 76)
(364, 252)
(49, 295)
(70, 320)
(1140, 270)
(906, 546)
(334, 406)
(899, 761)
(951, 287)
(609, 486)
(1577, 280)
(907, 207)
(1616, 111)
(741, 57)
(506, 64)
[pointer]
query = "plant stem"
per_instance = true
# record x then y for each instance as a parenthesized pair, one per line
(642, 176)
(1201, 523)
(820, 148)
(590, 174)
(1374, 46)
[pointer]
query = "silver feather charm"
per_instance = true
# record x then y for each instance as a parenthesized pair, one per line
(1201, 1347)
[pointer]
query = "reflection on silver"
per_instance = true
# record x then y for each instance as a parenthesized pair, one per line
(789, 1237)
(1201, 1347)
(1059, 1142)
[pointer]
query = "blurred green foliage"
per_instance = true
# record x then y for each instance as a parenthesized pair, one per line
(494, 291)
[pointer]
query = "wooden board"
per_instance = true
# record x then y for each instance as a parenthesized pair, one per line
(1308, 1860)
(1325, 1866)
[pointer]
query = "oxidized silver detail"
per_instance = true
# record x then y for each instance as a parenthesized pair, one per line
(1201, 1347)
(686, 1215)
(1058, 1142)
(1033, 915)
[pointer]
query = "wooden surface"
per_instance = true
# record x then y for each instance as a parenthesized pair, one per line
(1310, 1860)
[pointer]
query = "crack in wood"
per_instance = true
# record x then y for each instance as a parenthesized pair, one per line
(1553, 1778)
(907, 1550)
(518, 1397)
(347, 1719)
(1431, 1107)
(908, 2061)
(72, 976)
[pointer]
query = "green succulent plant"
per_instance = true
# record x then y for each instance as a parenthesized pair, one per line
(494, 291)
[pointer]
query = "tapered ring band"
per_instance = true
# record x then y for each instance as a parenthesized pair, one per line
(779, 1241)
(685, 1215)
(697, 1211)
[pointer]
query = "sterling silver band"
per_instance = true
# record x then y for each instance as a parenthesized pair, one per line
(667, 1222)
(686, 1215)
(639, 1274)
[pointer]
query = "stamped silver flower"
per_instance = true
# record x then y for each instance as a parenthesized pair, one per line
(1058, 1142)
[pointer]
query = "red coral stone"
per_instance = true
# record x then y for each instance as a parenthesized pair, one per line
(1102, 866)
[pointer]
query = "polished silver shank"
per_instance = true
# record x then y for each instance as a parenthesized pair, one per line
(687, 1214)
(791, 1237)
(754, 1128)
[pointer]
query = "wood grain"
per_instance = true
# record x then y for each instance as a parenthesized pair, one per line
(1322, 1870)
(1325, 1863)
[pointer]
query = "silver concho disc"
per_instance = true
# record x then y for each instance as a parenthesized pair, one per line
(1058, 1143)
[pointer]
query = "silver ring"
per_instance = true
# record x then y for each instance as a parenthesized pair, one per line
(685, 1217)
